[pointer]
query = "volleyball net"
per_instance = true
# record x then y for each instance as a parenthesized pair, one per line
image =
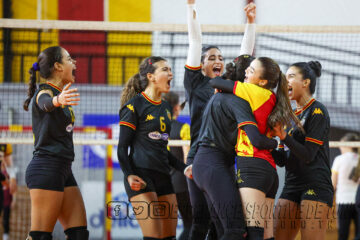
(109, 53)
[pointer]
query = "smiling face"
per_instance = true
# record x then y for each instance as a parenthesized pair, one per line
(253, 73)
(68, 65)
(213, 64)
(162, 77)
(297, 85)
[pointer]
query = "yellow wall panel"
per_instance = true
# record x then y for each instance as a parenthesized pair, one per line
(50, 9)
(24, 9)
(133, 46)
(130, 11)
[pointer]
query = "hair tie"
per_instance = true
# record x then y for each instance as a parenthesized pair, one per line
(36, 66)
(149, 61)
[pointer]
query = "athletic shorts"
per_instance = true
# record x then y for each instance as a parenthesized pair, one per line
(258, 174)
(49, 173)
(308, 192)
(156, 181)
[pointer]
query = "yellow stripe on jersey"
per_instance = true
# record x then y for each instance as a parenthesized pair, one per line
(313, 140)
(256, 96)
(185, 132)
(247, 123)
(193, 68)
(127, 124)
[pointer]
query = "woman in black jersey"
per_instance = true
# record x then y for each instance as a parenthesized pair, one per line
(180, 131)
(145, 124)
(53, 189)
(202, 64)
(308, 192)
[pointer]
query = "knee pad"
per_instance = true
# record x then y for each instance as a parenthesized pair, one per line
(37, 235)
(77, 233)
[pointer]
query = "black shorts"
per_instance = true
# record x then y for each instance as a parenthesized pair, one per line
(257, 173)
(307, 192)
(49, 173)
(156, 181)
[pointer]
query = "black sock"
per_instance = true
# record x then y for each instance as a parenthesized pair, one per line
(255, 233)
(77, 233)
(37, 235)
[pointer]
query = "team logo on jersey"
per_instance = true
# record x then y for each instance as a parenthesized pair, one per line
(157, 136)
(168, 114)
(239, 180)
(131, 107)
(69, 127)
(310, 192)
(149, 117)
(317, 111)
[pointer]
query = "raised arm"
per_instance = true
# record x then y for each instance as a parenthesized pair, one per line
(194, 33)
(248, 41)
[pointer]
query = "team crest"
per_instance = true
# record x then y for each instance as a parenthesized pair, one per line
(131, 107)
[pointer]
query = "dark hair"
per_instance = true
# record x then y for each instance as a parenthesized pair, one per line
(139, 81)
(205, 49)
(46, 61)
(235, 70)
(172, 98)
(310, 70)
(282, 111)
(351, 137)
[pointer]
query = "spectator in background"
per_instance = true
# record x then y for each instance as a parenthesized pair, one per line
(345, 187)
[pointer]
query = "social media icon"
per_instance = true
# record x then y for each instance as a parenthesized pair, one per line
(138, 210)
(117, 210)
(159, 210)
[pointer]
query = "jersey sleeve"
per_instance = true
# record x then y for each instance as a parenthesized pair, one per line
(195, 40)
(8, 150)
(192, 78)
(317, 127)
(242, 112)
(128, 115)
(185, 132)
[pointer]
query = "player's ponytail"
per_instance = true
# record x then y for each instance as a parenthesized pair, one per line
(282, 112)
(138, 83)
(235, 70)
(32, 86)
(45, 65)
(131, 89)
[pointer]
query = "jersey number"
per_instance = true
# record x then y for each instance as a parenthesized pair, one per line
(162, 124)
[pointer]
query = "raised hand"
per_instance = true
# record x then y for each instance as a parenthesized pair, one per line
(136, 183)
(250, 11)
(68, 96)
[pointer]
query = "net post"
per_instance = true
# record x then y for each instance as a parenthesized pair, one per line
(108, 185)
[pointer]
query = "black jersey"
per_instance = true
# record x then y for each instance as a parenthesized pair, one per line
(315, 120)
(222, 116)
(53, 131)
(198, 93)
(152, 122)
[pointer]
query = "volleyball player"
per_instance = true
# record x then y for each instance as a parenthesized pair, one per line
(346, 187)
(53, 189)
(145, 124)
(308, 192)
(202, 64)
(180, 131)
(257, 177)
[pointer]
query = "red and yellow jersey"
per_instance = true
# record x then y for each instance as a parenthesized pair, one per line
(262, 101)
